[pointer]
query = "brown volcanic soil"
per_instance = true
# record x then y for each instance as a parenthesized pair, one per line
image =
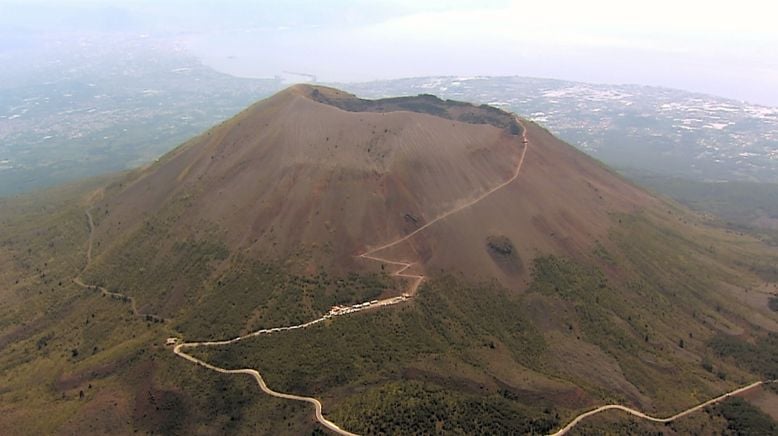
(558, 204)
(292, 174)
(290, 171)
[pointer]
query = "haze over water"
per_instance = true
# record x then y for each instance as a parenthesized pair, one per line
(709, 46)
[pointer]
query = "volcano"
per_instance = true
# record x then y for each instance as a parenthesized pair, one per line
(395, 266)
(317, 171)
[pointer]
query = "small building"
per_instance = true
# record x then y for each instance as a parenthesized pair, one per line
(171, 341)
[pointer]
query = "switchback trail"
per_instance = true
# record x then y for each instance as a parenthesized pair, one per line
(642, 415)
(417, 279)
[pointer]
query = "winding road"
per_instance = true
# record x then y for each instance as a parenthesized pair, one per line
(642, 415)
(178, 350)
(413, 286)
(262, 385)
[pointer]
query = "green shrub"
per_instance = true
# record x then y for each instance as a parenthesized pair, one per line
(745, 419)
(418, 408)
(761, 357)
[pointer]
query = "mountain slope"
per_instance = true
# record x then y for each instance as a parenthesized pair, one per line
(541, 283)
(291, 175)
(312, 173)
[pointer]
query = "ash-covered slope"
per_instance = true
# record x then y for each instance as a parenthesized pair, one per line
(291, 174)
(318, 174)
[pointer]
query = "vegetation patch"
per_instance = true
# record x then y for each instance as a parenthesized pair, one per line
(44, 241)
(213, 403)
(668, 259)
(252, 295)
(596, 304)
(158, 276)
(745, 419)
(652, 311)
(447, 320)
(760, 357)
(415, 408)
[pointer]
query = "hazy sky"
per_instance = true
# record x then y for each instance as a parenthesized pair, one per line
(724, 48)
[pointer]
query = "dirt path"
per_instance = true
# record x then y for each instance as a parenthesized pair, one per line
(105, 292)
(463, 206)
(252, 372)
(178, 350)
(642, 415)
(262, 385)
(91, 239)
(417, 279)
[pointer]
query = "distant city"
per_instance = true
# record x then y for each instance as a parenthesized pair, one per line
(86, 112)
(633, 128)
